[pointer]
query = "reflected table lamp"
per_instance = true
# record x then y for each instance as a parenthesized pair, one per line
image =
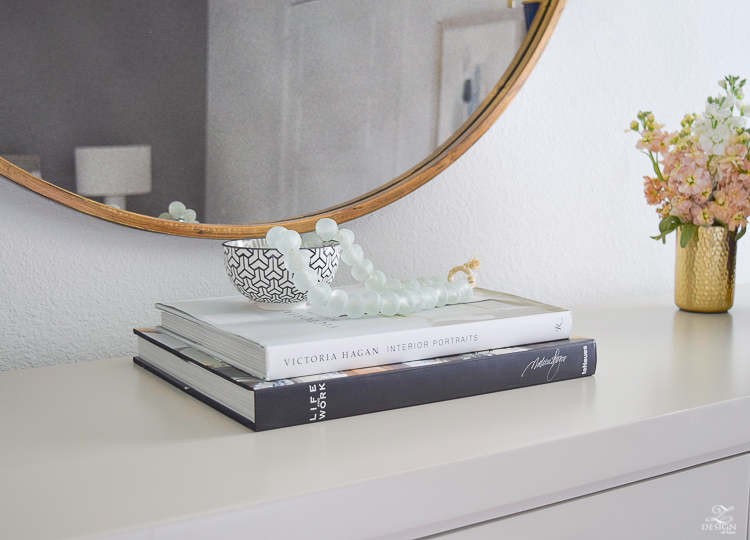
(113, 172)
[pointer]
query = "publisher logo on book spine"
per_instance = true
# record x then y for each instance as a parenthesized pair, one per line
(721, 522)
(585, 366)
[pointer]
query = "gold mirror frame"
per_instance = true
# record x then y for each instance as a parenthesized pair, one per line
(492, 107)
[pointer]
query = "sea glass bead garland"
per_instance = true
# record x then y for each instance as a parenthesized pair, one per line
(384, 296)
(178, 212)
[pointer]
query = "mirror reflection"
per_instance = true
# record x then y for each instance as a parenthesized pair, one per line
(246, 110)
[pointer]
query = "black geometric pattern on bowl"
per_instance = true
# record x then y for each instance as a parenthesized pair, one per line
(257, 272)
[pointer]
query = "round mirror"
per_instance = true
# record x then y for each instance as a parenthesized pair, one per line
(252, 113)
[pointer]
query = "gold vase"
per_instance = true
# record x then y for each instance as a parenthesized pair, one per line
(704, 270)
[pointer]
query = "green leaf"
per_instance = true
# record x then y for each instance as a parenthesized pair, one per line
(662, 237)
(669, 224)
(688, 231)
(666, 226)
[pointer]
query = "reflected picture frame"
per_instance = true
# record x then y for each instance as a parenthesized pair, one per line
(474, 54)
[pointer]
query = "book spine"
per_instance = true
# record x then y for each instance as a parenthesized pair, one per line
(189, 390)
(295, 360)
(322, 400)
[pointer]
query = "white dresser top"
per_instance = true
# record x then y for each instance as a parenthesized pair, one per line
(104, 447)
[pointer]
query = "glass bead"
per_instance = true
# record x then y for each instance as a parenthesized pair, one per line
(345, 237)
(389, 303)
(177, 209)
(437, 281)
(406, 302)
(372, 302)
(423, 281)
(442, 295)
(326, 229)
(452, 289)
(337, 302)
(311, 240)
(431, 296)
(296, 260)
(305, 279)
(393, 285)
(410, 284)
(189, 215)
(319, 294)
(288, 240)
(363, 270)
(419, 299)
(353, 255)
(355, 307)
(273, 234)
(465, 292)
(372, 283)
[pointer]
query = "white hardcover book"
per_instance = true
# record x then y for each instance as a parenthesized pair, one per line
(287, 344)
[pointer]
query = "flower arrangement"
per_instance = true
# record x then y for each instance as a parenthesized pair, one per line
(702, 171)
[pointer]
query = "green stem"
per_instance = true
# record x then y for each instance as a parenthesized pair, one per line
(655, 163)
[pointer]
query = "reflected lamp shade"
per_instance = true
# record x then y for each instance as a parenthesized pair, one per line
(113, 172)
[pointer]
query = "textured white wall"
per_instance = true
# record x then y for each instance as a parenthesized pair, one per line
(550, 198)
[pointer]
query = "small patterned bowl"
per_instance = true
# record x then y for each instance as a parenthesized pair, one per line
(257, 272)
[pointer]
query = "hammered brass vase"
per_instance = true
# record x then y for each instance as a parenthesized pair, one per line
(704, 270)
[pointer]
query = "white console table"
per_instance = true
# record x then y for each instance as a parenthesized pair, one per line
(655, 445)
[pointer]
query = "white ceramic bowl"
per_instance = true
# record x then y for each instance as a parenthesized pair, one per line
(257, 272)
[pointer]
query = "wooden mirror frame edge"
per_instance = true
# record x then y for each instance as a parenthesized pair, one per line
(493, 106)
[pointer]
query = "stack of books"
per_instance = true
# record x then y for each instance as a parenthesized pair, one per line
(272, 369)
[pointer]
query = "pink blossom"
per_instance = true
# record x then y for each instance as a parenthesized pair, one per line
(684, 209)
(695, 180)
(653, 141)
(702, 216)
(738, 150)
(719, 207)
(733, 187)
(653, 190)
(720, 199)
(733, 159)
(738, 220)
(704, 196)
(664, 210)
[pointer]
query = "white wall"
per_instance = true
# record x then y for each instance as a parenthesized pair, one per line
(550, 198)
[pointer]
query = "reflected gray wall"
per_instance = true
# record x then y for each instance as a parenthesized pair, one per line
(244, 101)
(283, 80)
(108, 72)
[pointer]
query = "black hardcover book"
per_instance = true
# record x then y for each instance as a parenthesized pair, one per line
(262, 405)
